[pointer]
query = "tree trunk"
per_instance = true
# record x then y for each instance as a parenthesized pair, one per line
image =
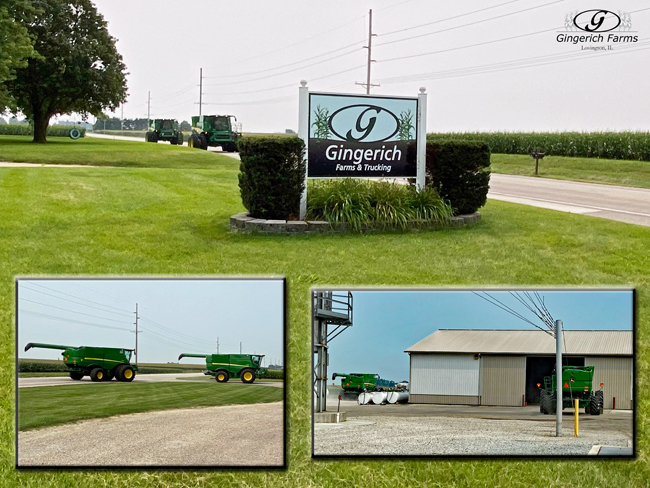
(41, 121)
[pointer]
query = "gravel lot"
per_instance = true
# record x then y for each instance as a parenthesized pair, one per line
(372, 435)
(236, 435)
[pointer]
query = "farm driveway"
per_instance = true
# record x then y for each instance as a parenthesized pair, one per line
(253, 434)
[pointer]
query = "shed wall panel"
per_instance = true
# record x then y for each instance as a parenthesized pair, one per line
(616, 374)
(503, 380)
(444, 399)
(444, 374)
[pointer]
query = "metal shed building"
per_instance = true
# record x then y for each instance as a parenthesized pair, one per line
(503, 367)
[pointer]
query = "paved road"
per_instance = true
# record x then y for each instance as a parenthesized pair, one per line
(140, 378)
(236, 435)
(625, 204)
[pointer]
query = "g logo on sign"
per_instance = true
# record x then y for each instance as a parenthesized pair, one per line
(597, 21)
(363, 123)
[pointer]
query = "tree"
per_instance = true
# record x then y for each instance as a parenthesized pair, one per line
(78, 68)
(186, 126)
(15, 44)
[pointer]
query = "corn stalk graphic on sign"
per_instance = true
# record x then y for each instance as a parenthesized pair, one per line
(362, 136)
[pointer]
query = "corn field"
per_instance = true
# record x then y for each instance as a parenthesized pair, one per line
(607, 145)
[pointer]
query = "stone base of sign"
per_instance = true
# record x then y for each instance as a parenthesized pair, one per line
(243, 222)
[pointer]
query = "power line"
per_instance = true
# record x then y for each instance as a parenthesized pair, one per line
(469, 24)
(75, 296)
(73, 301)
(448, 18)
(62, 319)
(72, 311)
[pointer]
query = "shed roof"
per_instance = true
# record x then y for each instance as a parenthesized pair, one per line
(582, 342)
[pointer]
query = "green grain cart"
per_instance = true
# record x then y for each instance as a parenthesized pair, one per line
(225, 366)
(100, 363)
(215, 130)
(358, 381)
(164, 130)
(576, 384)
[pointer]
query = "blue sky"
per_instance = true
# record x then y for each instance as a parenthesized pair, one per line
(388, 322)
(176, 316)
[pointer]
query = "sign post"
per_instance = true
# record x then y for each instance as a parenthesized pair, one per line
(303, 133)
(422, 139)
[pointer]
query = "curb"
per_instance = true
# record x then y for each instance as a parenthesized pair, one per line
(243, 222)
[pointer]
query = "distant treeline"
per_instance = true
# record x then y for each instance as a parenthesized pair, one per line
(130, 124)
(607, 145)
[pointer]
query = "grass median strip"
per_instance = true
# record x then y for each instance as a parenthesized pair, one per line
(591, 170)
(108, 152)
(54, 405)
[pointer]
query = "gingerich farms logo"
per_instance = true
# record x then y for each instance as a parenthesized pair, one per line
(362, 136)
(597, 29)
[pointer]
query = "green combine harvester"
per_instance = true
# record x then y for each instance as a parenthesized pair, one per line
(358, 381)
(100, 363)
(164, 130)
(215, 130)
(246, 367)
(576, 384)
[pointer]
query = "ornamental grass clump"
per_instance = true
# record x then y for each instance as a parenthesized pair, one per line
(363, 204)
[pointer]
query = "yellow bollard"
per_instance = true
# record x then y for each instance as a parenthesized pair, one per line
(576, 418)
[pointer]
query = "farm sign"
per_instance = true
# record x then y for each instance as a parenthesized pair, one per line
(362, 136)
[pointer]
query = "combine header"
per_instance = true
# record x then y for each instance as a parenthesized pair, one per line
(100, 363)
(225, 366)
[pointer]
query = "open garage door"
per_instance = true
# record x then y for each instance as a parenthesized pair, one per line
(539, 366)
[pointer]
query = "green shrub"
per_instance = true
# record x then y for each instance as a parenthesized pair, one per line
(41, 367)
(459, 172)
(272, 176)
(374, 204)
(28, 130)
(273, 374)
(608, 145)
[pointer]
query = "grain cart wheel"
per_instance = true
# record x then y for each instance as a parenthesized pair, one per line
(221, 376)
(75, 375)
(247, 376)
(595, 404)
(98, 374)
(545, 400)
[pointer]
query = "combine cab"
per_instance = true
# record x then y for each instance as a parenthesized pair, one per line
(358, 381)
(215, 130)
(576, 384)
(164, 130)
(225, 366)
(100, 363)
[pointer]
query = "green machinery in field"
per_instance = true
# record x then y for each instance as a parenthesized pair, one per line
(576, 384)
(358, 381)
(215, 130)
(246, 367)
(164, 130)
(100, 363)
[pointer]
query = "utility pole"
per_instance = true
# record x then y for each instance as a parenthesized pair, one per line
(148, 108)
(136, 334)
(122, 118)
(558, 378)
(367, 84)
(217, 345)
(200, 90)
(240, 348)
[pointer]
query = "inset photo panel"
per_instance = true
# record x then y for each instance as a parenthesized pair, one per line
(525, 373)
(161, 373)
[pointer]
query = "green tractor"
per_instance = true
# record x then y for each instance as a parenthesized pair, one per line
(246, 367)
(164, 130)
(358, 381)
(100, 363)
(576, 384)
(215, 130)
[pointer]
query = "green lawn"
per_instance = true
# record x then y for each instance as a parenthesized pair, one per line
(173, 222)
(109, 152)
(45, 406)
(592, 170)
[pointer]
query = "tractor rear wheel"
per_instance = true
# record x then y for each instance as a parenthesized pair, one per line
(97, 374)
(544, 402)
(75, 375)
(601, 401)
(221, 376)
(247, 376)
(595, 404)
